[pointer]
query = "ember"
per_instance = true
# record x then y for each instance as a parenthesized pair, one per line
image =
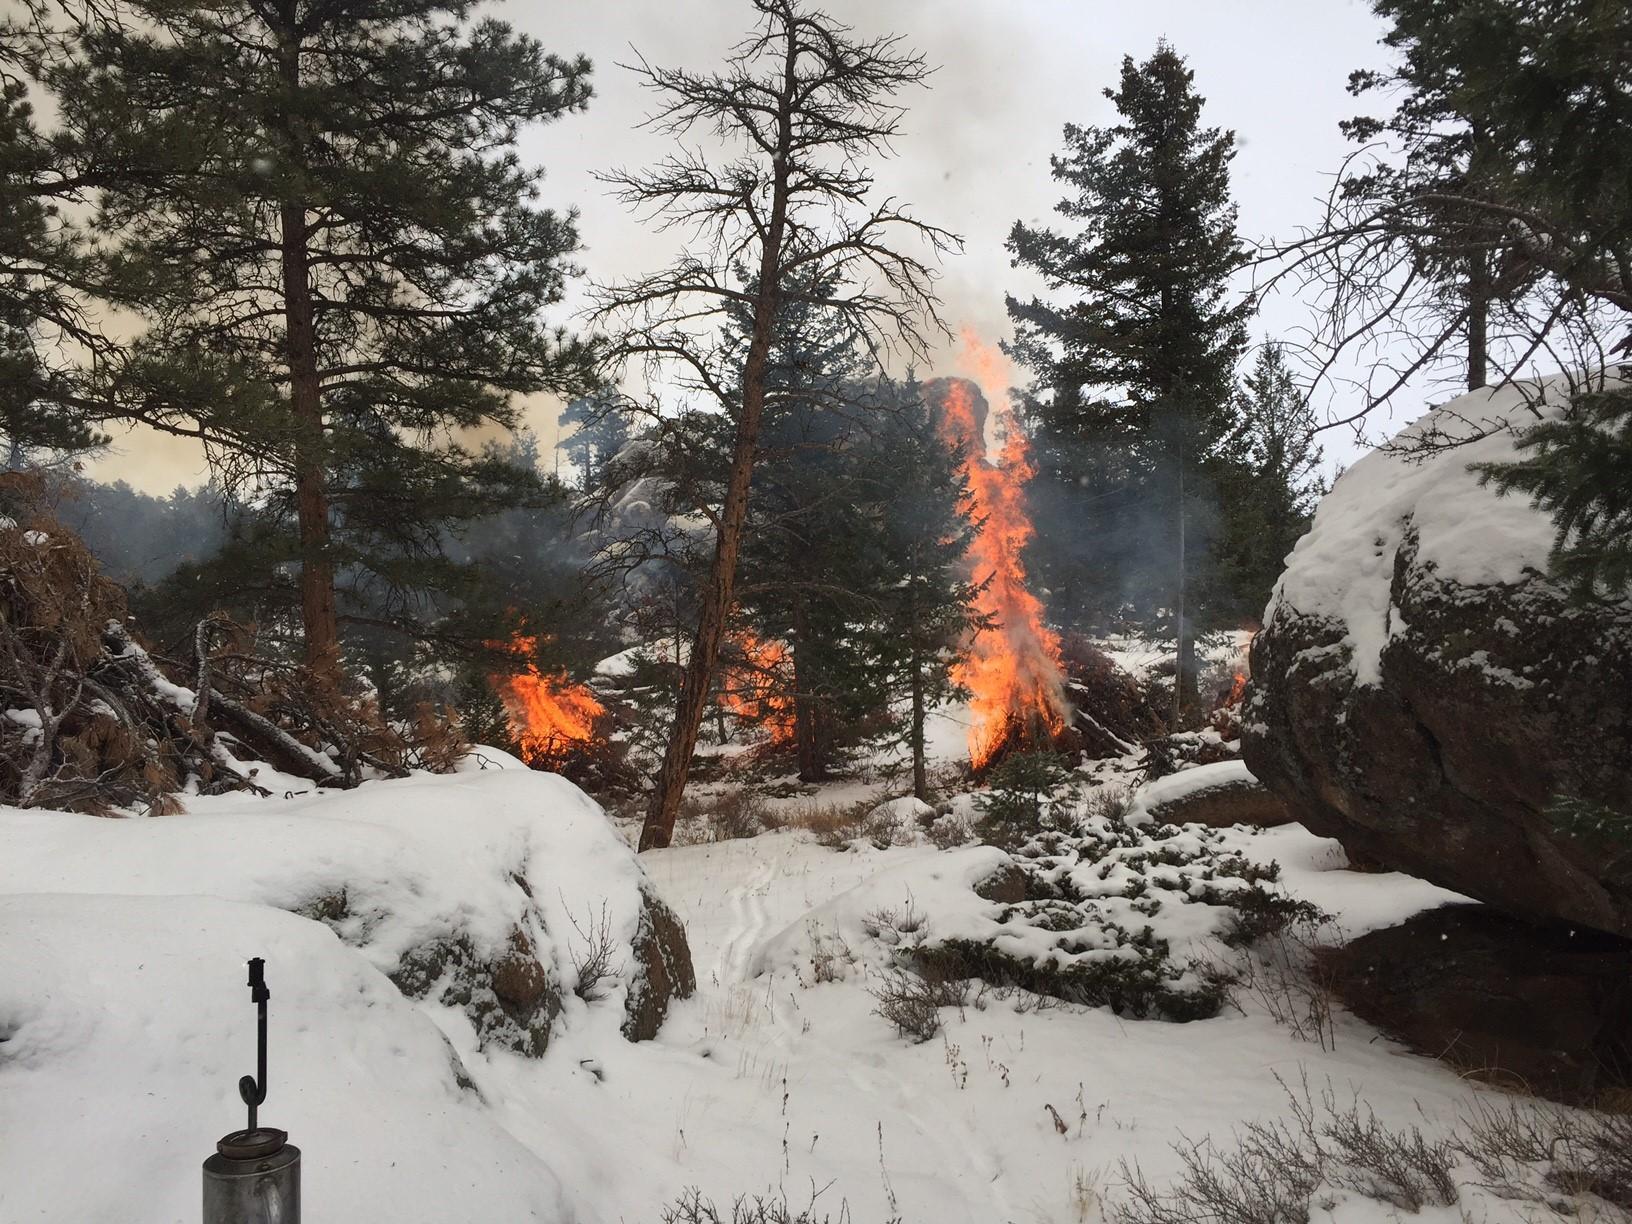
(1013, 669)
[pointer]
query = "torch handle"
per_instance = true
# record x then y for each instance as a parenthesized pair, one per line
(252, 1088)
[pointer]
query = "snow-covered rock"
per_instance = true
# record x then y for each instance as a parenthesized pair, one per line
(125, 1027)
(482, 889)
(1424, 693)
(1217, 795)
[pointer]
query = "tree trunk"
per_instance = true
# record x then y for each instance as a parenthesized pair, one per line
(1184, 662)
(306, 405)
(806, 714)
(920, 775)
(658, 829)
(1478, 321)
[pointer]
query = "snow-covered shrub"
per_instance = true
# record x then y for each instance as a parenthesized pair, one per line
(1110, 911)
(1098, 913)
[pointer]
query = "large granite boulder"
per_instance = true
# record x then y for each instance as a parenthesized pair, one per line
(1544, 1008)
(1423, 693)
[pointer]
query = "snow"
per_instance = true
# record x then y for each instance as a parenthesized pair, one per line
(126, 1024)
(1343, 568)
(416, 859)
(619, 665)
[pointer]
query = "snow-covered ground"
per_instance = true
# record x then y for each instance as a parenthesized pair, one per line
(125, 1025)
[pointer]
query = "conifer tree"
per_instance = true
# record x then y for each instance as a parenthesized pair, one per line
(341, 259)
(810, 566)
(600, 430)
(1579, 469)
(927, 612)
(1134, 351)
(802, 106)
(47, 333)
(1269, 481)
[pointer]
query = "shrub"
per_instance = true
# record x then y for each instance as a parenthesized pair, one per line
(911, 999)
(1274, 1171)
(692, 1208)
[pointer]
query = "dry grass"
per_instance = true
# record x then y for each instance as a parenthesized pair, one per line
(912, 1000)
(1275, 1170)
(726, 813)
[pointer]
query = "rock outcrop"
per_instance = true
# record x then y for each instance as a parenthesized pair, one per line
(1218, 796)
(1423, 693)
(662, 970)
(1544, 1009)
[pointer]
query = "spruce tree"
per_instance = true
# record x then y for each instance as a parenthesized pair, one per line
(1134, 350)
(1269, 481)
(341, 257)
(927, 612)
(809, 567)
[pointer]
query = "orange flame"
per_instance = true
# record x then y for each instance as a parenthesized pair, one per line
(1013, 669)
(549, 716)
(754, 690)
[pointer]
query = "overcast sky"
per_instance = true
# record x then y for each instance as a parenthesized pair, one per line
(974, 156)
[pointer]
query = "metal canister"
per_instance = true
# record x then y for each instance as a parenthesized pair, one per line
(253, 1178)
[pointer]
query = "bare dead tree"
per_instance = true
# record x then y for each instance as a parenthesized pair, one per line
(801, 107)
(1526, 287)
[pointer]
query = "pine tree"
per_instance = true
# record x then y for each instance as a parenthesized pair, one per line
(1135, 350)
(46, 331)
(341, 260)
(1500, 215)
(600, 432)
(927, 612)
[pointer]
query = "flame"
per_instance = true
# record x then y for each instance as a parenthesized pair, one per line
(1013, 669)
(549, 716)
(754, 690)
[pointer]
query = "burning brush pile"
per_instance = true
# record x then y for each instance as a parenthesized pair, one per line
(554, 723)
(1029, 691)
(1012, 672)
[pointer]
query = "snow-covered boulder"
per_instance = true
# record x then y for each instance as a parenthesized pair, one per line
(1422, 692)
(494, 892)
(124, 1026)
(1217, 795)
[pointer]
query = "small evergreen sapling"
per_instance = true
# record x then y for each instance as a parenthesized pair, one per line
(1024, 789)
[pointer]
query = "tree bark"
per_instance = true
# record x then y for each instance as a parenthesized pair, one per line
(317, 609)
(1478, 321)
(920, 774)
(658, 829)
